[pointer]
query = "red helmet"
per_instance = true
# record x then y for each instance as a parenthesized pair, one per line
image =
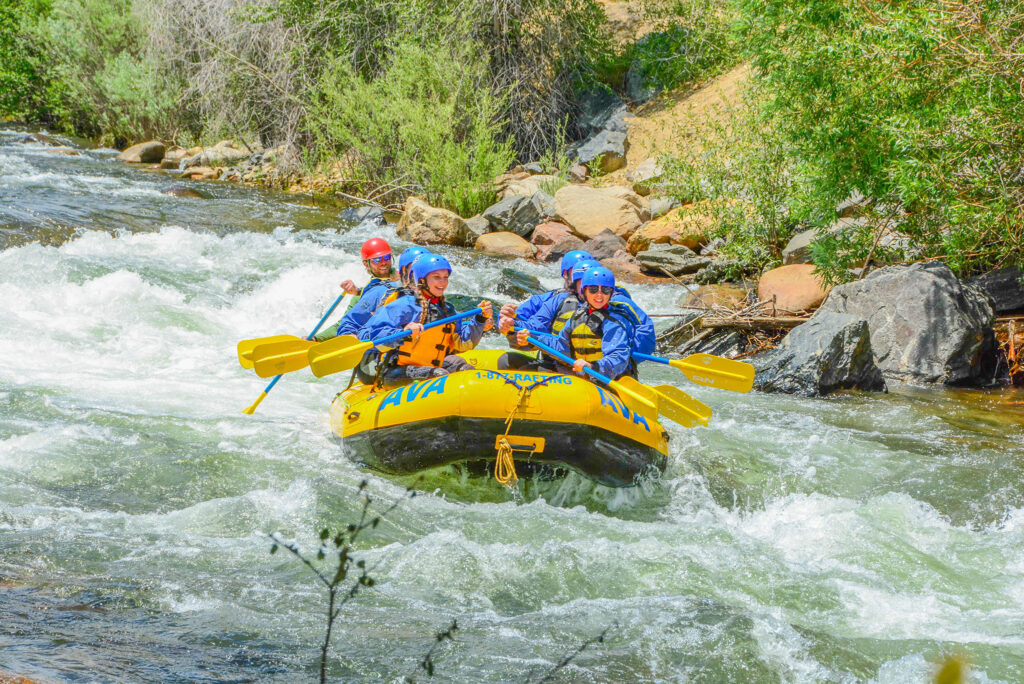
(374, 247)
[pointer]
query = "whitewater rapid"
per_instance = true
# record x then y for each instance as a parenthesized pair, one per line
(859, 538)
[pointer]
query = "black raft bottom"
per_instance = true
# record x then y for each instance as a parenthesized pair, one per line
(603, 456)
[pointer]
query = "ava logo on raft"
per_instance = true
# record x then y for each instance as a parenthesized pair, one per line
(410, 393)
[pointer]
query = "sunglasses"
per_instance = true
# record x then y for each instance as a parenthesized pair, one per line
(603, 289)
(381, 259)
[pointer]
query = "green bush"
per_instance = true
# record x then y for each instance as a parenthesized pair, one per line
(917, 104)
(428, 124)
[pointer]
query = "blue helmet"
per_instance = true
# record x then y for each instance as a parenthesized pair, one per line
(582, 267)
(598, 276)
(421, 268)
(409, 256)
(572, 258)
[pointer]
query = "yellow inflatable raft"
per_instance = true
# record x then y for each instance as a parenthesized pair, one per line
(556, 420)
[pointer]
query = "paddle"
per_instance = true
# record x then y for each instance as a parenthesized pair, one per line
(709, 370)
(246, 347)
(263, 395)
(342, 353)
(676, 406)
(281, 357)
(639, 393)
(704, 369)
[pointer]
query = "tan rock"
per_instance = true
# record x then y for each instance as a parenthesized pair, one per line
(636, 200)
(505, 243)
(149, 152)
(646, 176)
(588, 210)
(795, 287)
(678, 227)
(170, 164)
(175, 153)
(721, 294)
(200, 173)
(427, 225)
(525, 184)
(193, 151)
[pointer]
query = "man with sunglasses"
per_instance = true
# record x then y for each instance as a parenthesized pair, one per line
(596, 337)
(539, 313)
(376, 255)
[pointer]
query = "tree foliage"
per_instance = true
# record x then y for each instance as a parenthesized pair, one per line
(918, 104)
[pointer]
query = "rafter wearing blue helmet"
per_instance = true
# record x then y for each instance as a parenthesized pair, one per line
(538, 313)
(427, 353)
(594, 336)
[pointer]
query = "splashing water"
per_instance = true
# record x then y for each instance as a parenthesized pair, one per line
(858, 538)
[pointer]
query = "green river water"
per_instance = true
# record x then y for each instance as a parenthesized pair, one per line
(852, 539)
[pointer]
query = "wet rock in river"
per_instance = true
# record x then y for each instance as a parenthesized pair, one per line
(183, 191)
(827, 353)
(518, 285)
(149, 152)
(926, 326)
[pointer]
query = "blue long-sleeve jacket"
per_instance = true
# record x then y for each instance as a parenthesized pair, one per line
(393, 318)
(363, 311)
(615, 346)
(640, 324)
(364, 304)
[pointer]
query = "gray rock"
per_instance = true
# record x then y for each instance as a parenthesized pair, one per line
(926, 326)
(605, 151)
(852, 204)
(639, 89)
(601, 109)
(723, 342)
(520, 214)
(363, 214)
(675, 259)
(478, 225)
(719, 270)
(646, 176)
(661, 206)
(518, 285)
(578, 173)
(534, 168)
(1005, 287)
(798, 249)
(604, 245)
(827, 353)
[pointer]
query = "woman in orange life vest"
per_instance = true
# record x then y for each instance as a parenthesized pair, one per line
(427, 353)
(594, 336)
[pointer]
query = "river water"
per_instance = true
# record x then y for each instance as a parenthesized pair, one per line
(856, 538)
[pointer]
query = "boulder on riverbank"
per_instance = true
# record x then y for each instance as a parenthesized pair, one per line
(520, 214)
(427, 225)
(554, 240)
(926, 326)
(795, 287)
(1005, 287)
(149, 152)
(827, 353)
(677, 227)
(588, 211)
(505, 243)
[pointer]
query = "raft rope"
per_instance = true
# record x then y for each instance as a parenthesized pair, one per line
(504, 464)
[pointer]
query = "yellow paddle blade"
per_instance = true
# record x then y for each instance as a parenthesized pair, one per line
(245, 347)
(282, 357)
(715, 371)
(680, 407)
(334, 356)
(642, 394)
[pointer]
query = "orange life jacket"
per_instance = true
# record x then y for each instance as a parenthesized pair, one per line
(432, 345)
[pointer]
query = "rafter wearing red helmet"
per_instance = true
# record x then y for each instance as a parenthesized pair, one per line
(376, 255)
